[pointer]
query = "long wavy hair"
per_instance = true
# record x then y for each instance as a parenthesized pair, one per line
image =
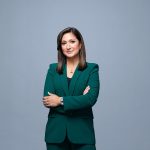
(62, 58)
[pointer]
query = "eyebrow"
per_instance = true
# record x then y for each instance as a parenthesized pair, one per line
(69, 40)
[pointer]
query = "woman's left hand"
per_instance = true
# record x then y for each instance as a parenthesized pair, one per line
(52, 100)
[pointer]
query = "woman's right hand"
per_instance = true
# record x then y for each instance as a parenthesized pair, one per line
(86, 90)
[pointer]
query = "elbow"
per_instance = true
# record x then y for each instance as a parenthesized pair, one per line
(93, 96)
(92, 100)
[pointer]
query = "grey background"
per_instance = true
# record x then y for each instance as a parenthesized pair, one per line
(117, 37)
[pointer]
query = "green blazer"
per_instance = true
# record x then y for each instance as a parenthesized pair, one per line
(75, 118)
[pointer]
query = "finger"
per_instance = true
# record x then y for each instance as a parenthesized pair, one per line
(86, 90)
(45, 103)
(84, 93)
(88, 87)
(45, 97)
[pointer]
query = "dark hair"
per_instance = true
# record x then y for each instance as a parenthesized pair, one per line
(62, 57)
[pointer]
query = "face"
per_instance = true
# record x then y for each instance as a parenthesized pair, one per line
(70, 45)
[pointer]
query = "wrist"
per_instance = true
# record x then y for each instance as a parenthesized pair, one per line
(61, 101)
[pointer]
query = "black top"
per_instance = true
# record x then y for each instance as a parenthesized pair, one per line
(69, 79)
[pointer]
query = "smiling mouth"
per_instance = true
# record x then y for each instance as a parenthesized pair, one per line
(69, 52)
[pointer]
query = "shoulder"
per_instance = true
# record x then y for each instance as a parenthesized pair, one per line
(91, 65)
(53, 66)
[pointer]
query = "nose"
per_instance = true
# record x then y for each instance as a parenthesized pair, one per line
(68, 46)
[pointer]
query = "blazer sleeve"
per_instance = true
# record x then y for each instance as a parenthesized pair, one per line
(49, 85)
(87, 100)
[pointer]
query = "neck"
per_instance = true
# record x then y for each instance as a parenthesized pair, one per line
(72, 61)
(72, 64)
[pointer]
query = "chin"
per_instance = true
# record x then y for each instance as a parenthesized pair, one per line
(69, 56)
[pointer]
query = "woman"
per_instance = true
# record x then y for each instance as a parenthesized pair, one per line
(71, 89)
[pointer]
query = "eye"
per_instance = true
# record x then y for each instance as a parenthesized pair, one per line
(63, 43)
(72, 41)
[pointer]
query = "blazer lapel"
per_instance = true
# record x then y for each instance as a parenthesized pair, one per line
(74, 80)
(69, 90)
(64, 80)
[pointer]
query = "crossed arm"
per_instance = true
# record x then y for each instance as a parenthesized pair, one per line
(87, 99)
(53, 100)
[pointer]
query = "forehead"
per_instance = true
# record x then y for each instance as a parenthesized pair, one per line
(68, 36)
